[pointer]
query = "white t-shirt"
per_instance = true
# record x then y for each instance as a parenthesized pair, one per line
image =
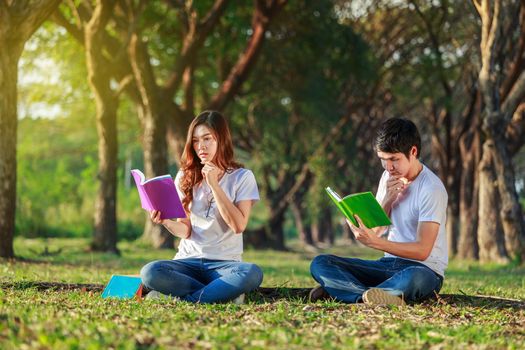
(425, 199)
(211, 237)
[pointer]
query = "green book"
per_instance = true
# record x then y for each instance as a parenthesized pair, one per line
(364, 205)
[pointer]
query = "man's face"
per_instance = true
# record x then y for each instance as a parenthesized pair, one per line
(397, 164)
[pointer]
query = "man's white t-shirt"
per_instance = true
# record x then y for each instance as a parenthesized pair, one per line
(211, 238)
(425, 199)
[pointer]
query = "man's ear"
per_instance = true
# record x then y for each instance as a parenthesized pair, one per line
(413, 151)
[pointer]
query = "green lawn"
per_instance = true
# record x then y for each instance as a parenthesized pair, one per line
(62, 320)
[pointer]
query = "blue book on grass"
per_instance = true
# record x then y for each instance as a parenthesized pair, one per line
(123, 287)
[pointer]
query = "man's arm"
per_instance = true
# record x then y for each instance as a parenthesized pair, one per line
(418, 250)
(394, 186)
(427, 232)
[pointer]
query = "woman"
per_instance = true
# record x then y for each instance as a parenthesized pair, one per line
(217, 194)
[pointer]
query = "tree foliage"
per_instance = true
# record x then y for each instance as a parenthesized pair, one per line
(303, 106)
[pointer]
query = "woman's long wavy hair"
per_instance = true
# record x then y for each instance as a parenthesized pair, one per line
(191, 164)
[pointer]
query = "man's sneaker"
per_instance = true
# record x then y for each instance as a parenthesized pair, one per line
(318, 293)
(378, 296)
(239, 300)
(154, 295)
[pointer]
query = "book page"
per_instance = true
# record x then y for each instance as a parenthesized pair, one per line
(368, 209)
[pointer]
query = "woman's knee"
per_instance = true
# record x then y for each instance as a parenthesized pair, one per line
(253, 275)
(148, 273)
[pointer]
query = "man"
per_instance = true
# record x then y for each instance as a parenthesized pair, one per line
(416, 255)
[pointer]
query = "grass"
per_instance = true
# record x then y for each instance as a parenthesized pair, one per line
(49, 319)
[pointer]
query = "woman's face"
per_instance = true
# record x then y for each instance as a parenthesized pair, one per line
(204, 143)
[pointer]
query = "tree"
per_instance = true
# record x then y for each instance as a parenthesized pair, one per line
(91, 27)
(295, 113)
(155, 79)
(446, 43)
(18, 21)
(158, 105)
(502, 88)
(434, 79)
(99, 77)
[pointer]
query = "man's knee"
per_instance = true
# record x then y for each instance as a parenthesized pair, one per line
(420, 277)
(321, 260)
(418, 273)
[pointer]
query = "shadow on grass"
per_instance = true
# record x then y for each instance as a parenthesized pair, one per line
(456, 300)
(479, 301)
(98, 259)
(269, 295)
(54, 286)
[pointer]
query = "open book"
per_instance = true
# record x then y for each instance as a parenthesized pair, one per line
(364, 205)
(159, 193)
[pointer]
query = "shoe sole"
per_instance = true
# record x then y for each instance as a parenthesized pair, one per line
(380, 297)
(317, 293)
(239, 300)
(154, 295)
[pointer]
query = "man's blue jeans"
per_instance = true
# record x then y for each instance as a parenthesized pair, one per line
(201, 280)
(346, 279)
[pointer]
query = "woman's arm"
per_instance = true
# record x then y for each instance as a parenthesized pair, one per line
(237, 215)
(179, 228)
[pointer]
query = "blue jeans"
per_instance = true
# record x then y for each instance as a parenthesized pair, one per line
(346, 279)
(201, 280)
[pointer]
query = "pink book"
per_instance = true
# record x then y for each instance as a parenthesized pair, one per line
(159, 193)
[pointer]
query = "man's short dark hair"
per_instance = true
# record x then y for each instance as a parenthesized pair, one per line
(398, 135)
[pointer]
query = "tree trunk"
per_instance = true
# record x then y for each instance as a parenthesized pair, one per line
(154, 131)
(318, 234)
(268, 236)
(304, 231)
(510, 211)
(105, 235)
(452, 230)
(500, 63)
(468, 247)
(490, 232)
(9, 56)
(322, 228)
(263, 13)
(453, 183)
(157, 235)
(155, 164)
(347, 235)
(325, 224)
(18, 21)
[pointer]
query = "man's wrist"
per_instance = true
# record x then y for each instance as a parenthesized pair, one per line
(389, 201)
(377, 243)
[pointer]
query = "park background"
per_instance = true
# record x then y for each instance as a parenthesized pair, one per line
(92, 89)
